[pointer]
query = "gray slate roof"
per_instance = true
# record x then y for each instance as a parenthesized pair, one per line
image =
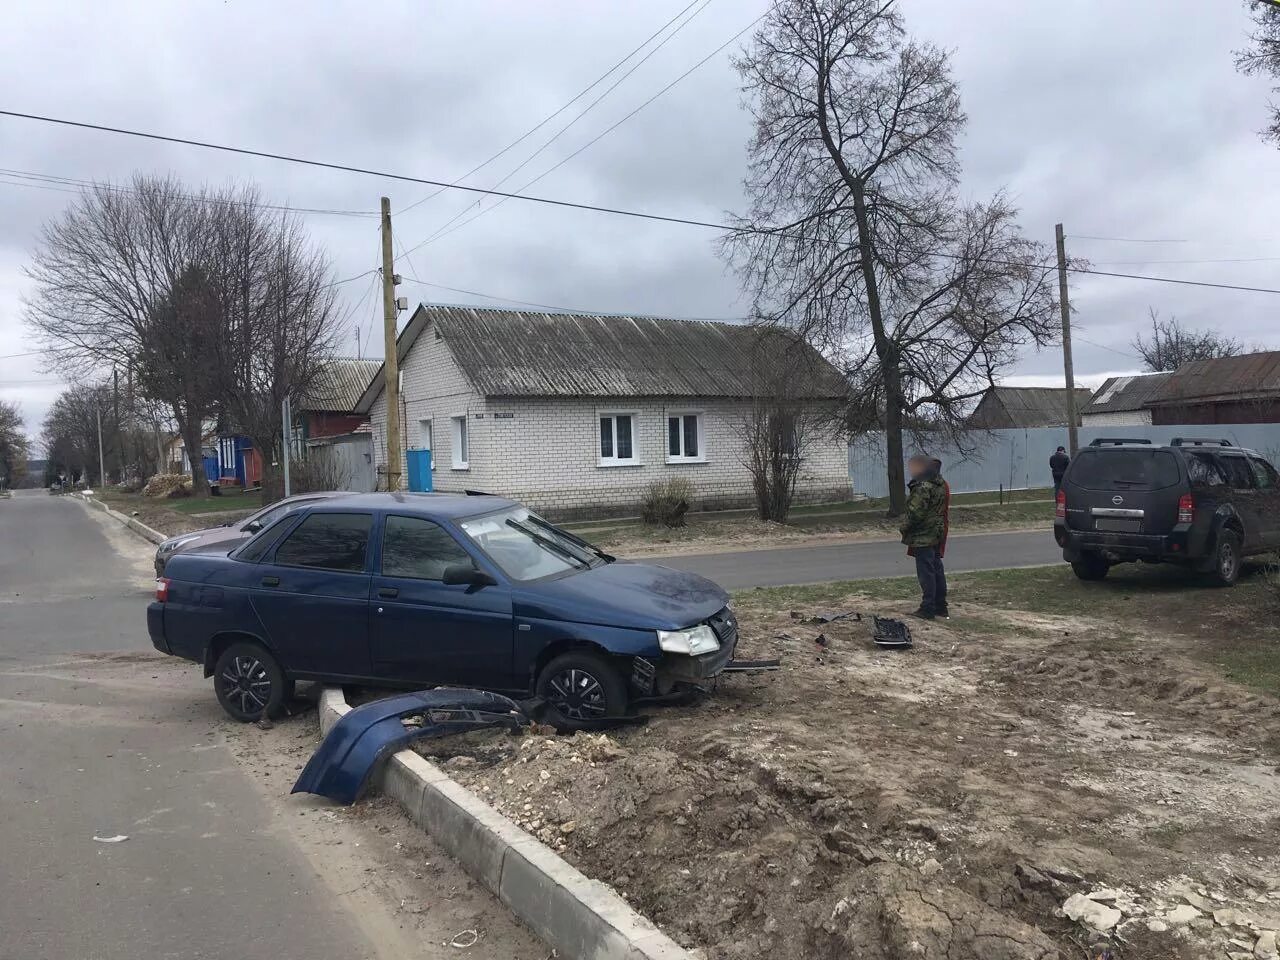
(1016, 407)
(341, 384)
(520, 353)
(1249, 376)
(1119, 394)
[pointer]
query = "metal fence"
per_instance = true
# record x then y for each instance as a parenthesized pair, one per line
(1019, 459)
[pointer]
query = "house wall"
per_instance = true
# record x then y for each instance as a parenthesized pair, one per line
(1234, 411)
(545, 451)
(1117, 418)
(327, 424)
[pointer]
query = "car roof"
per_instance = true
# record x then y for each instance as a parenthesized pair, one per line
(442, 505)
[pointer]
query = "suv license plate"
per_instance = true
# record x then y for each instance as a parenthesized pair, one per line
(1117, 526)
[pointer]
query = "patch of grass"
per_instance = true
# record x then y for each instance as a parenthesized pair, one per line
(1255, 664)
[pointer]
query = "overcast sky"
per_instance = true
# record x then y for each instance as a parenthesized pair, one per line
(1120, 119)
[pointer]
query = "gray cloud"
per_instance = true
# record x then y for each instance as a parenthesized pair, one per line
(1120, 119)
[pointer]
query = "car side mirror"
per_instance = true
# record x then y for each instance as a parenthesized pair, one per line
(457, 574)
(253, 526)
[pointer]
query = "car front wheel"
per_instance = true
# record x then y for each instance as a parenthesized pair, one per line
(249, 682)
(1090, 566)
(581, 689)
(1226, 558)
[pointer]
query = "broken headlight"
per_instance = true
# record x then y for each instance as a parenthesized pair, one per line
(694, 641)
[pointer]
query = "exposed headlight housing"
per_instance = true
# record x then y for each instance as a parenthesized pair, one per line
(693, 641)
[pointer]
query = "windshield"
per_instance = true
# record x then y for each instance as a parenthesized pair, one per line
(525, 546)
(1125, 469)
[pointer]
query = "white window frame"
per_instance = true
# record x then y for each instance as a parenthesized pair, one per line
(428, 437)
(459, 442)
(615, 460)
(701, 455)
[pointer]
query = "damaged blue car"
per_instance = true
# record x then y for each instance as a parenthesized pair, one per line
(420, 590)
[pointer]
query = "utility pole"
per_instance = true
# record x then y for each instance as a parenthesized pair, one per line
(1073, 435)
(115, 407)
(286, 438)
(102, 468)
(391, 363)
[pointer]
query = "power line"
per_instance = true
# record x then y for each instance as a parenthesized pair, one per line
(602, 134)
(549, 201)
(338, 283)
(547, 119)
(14, 356)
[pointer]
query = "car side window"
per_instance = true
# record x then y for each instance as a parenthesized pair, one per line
(419, 549)
(1204, 471)
(1264, 474)
(1239, 473)
(328, 541)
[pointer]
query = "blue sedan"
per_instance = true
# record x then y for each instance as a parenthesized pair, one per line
(418, 590)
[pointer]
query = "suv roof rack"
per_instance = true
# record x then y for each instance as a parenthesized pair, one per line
(1200, 442)
(1117, 441)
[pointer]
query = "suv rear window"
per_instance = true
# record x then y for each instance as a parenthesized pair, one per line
(1125, 469)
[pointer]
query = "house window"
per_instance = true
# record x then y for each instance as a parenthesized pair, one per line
(461, 446)
(617, 441)
(424, 438)
(684, 438)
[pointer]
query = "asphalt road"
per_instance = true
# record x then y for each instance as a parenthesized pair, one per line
(94, 745)
(864, 560)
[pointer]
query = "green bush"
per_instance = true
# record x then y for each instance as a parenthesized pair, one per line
(667, 501)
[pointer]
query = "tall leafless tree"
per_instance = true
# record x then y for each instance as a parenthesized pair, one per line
(855, 236)
(1170, 344)
(70, 433)
(1262, 56)
(14, 445)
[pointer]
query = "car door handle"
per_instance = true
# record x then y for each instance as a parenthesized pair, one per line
(271, 581)
(388, 592)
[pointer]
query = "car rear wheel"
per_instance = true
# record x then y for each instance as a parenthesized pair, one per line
(249, 682)
(1090, 566)
(1227, 558)
(581, 689)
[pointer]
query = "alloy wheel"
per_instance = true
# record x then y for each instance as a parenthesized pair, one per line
(245, 682)
(577, 694)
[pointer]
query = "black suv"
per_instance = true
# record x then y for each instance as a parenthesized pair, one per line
(1203, 503)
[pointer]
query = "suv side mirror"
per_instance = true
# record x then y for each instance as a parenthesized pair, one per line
(463, 573)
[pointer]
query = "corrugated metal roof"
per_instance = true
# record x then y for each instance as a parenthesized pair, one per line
(1124, 393)
(340, 385)
(1246, 377)
(1031, 406)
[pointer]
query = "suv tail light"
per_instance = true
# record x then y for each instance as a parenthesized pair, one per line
(162, 589)
(1060, 511)
(1186, 509)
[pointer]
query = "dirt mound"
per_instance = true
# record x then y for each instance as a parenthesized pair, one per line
(169, 485)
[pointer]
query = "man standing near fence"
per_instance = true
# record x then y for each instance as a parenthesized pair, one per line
(1058, 464)
(924, 531)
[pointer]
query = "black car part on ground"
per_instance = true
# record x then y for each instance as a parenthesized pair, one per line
(891, 633)
(342, 764)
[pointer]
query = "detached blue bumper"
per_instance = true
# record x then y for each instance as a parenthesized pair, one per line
(155, 627)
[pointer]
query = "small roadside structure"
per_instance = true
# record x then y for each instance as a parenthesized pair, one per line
(1121, 401)
(577, 414)
(328, 409)
(1243, 389)
(1010, 408)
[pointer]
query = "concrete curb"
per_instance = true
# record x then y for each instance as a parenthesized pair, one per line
(137, 526)
(582, 919)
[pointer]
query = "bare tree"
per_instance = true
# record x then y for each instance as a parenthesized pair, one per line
(797, 403)
(106, 273)
(855, 236)
(70, 430)
(1262, 57)
(1170, 344)
(14, 445)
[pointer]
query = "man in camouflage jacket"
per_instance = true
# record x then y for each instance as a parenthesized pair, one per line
(924, 531)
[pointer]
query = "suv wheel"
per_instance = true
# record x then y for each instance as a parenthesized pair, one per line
(249, 682)
(1090, 566)
(1227, 558)
(581, 688)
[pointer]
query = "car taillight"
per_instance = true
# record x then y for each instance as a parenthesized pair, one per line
(1061, 509)
(162, 589)
(1186, 509)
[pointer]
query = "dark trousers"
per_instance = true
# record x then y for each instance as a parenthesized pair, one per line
(1057, 485)
(933, 579)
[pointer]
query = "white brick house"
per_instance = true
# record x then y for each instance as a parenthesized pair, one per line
(576, 415)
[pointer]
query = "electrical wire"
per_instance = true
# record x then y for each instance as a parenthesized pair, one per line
(551, 116)
(550, 201)
(443, 228)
